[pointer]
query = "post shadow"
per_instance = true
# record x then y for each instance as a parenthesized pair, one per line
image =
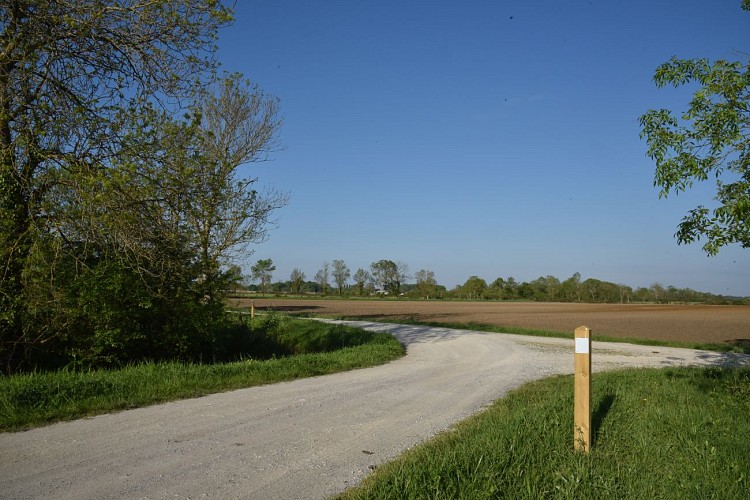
(598, 416)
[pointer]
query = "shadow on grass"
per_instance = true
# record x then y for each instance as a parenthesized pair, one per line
(598, 416)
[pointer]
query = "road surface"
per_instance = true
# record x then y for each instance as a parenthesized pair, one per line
(309, 438)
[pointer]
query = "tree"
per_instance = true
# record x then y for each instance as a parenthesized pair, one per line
(297, 280)
(361, 279)
(546, 288)
(496, 289)
(383, 273)
(474, 287)
(571, 288)
(659, 293)
(389, 275)
(511, 288)
(426, 282)
(234, 277)
(69, 72)
(711, 139)
(263, 272)
(236, 124)
(341, 274)
(322, 277)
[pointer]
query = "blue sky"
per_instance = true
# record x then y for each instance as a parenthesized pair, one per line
(488, 138)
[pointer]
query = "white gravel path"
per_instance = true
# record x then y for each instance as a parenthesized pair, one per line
(308, 438)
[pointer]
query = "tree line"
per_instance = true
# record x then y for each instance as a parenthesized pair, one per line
(387, 278)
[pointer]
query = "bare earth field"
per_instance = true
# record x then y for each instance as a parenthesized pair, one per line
(686, 323)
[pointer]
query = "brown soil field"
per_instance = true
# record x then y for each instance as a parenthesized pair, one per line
(685, 323)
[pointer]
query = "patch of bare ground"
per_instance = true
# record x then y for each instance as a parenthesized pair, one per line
(674, 322)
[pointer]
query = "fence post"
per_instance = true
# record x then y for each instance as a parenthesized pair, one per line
(582, 369)
(252, 309)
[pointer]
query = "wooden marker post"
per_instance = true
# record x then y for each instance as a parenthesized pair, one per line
(252, 309)
(582, 369)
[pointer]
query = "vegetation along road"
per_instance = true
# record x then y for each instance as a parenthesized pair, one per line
(309, 438)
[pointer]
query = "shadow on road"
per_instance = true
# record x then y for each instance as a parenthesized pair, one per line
(727, 359)
(712, 358)
(410, 334)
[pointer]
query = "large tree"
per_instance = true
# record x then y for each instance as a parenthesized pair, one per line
(236, 124)
(322, 277)
(296, 280)
(73, 74)
(389, 275)
(361, 279)
(262, 271)
(710, 140)
(474, 287)
(341, 274)
(426, 282)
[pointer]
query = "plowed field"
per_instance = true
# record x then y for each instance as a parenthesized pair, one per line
(687, 323)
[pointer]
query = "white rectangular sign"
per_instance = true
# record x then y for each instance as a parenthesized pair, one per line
(582, 345)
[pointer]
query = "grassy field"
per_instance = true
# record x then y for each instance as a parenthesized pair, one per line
(674, 433)
(37, 399)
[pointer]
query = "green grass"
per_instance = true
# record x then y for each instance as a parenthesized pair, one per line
(672, 433)
(514, 330)
(37, 399)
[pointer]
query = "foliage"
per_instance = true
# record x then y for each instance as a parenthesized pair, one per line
(118, 216)
(543, 289)
(426, 283)
(361, 279)
(341, 274)
(657, 434)
(322, 277)
(711, 139)
(473, 288)
(389, 275)
(296, 280)
(234, 125)
(262, 271)
(38, 398)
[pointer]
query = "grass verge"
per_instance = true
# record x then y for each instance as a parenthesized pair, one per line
(671, 433)
(37, 399)
(514, 330)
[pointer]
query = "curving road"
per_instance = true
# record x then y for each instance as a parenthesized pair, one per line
(309, 438)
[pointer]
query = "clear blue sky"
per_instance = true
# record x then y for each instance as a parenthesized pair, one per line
(489, 138)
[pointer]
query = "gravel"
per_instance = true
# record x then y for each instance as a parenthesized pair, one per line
(309, 438)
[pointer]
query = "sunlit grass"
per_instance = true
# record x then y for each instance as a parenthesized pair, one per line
(674, 433)
(36, 399)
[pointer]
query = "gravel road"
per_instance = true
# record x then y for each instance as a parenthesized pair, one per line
(309, 438)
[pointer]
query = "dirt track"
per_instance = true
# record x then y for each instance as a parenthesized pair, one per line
(687, 323)
(309, 438)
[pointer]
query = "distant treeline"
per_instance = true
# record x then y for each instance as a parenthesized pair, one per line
(542, 289)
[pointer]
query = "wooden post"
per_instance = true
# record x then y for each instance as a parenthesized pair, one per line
(582, 369)
(252, 309)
